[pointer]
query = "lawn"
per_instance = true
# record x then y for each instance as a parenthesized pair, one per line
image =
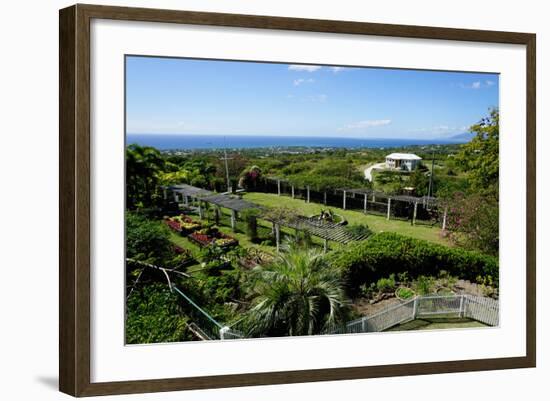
(437, 324)
(375, 222)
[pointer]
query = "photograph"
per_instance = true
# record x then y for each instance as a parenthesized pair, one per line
(269, 199)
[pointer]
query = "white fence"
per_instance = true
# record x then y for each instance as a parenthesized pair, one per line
(485, 310)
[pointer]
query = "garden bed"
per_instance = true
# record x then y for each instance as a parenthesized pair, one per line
(212, 236)
(184, 225)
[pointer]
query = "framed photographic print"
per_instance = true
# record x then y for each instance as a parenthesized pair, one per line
(250, 200)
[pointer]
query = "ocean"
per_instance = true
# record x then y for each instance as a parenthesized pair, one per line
(173, 141)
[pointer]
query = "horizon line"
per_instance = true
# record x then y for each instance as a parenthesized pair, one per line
(298, 136)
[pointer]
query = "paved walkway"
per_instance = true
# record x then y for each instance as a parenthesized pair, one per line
(368, 170)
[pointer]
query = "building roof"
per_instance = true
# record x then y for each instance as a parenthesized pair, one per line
(403, 156)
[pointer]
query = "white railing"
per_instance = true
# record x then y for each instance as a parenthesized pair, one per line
(482, 309)
(485, 310)
(227, 333)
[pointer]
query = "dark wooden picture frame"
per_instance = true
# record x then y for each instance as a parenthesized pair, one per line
(74, 204)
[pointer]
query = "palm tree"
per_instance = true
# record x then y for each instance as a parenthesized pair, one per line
(143, 166)
(297, 294)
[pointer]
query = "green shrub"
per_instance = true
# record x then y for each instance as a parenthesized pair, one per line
(147, 240)
(154, 315)
(250, 216)
(360, 230)
(386, 253)
(424, 285)
(386, 284)
(405, 293)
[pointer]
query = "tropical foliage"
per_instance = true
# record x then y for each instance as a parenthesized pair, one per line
(147, 240)
(297, 294)
(480, 157)
(154, 315)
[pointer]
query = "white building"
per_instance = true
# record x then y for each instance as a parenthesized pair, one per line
(402, 161)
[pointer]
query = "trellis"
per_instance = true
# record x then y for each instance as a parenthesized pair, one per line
(293, 188)
(326, 230)
(234, 203)
(371, 195)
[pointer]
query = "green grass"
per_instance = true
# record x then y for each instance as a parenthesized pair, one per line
(184, 242)
(375, 222)
(437, 324)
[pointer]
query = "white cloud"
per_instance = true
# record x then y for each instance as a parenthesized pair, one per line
(365, 124)
(478, 84)
(318, 98)
(443, 129)
(304, 67)
(337, 69)
(299, 81)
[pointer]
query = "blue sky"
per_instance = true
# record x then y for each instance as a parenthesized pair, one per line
(189, 96)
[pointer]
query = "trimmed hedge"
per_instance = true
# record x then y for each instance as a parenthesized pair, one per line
(386, 253)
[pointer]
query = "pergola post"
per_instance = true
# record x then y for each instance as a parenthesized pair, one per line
(277, 236)
(307, 188)
(201, 214)
(292, 190)
(278, 187)
(164, 193)
(186, 200)
(373, 197)
(217, 213)
(389, 208)
(175, 197)
(414, 213)
(365, 202)
(344, 201)
(324, 197)
(325, 245)
(233, 220)
(444, 226)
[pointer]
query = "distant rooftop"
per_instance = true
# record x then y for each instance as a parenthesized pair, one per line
(403, 156)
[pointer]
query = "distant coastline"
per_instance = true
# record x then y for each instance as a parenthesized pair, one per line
(174, 141)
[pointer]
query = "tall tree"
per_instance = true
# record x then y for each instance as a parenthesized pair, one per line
(480, 158)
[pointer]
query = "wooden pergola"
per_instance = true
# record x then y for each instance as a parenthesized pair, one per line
(279, 181)
(426, 201)
(186, 192)
(369, 195)
(234, 203)
(327, 231)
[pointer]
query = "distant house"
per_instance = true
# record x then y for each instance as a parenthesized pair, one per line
(402, 161)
